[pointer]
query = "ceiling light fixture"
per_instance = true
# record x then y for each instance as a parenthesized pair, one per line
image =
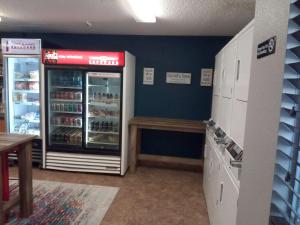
(143, 10)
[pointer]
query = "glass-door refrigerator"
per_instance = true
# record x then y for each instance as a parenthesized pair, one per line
(22, 77)
(103, 91)
(64, 109)
(89, 102)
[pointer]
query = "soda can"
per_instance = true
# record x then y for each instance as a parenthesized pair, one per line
(58, 120)
(71, 95)
(79, 107)
(74, 108)
(56, 107)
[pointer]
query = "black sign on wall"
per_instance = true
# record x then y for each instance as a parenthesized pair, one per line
(266, 48)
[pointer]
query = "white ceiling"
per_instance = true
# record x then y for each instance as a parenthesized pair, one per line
(174, 17)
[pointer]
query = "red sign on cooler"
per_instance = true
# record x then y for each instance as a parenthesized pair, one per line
(70, 57)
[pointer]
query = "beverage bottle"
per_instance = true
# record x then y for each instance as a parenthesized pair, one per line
(79, 80)
(74, 108)
(73, 81)
(110, 126)
(102, 126)
(104, 98)
(98, 126)
(115, 127)
(53, 137)
(80, 138)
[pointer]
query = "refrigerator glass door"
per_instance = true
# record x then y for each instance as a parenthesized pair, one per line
(64, 107)
(23, 95)
(103, 110)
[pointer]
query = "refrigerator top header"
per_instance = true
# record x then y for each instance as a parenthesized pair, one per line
(71, 57)
(16, 46)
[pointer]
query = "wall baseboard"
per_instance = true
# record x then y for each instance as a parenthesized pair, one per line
(170, 162)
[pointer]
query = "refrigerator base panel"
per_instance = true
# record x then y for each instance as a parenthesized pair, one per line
(83, 163)
(36, 156)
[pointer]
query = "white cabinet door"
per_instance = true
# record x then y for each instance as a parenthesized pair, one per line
(215, 109)
(238, 122)
(229, 66)
(244, 55)
(213, 195)
(206, 169)
(225, 114)
(218, 74)
(229, 194)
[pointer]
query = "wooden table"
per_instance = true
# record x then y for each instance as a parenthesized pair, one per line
(23, 145)
(138, 123)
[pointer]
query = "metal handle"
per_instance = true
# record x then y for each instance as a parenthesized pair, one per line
(221, 192)
(236, 163)
(238, 70)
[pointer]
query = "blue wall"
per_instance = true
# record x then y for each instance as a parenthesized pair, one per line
(165, 54)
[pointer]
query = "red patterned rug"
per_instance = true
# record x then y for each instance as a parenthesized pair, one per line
(65, 204)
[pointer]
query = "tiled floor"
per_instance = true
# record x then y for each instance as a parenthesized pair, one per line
(149, 197)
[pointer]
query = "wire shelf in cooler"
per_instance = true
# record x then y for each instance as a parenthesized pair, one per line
(54, 125)
(27, 79)
(97, 85)
(102, 143)
(103, 85)
(65, 100)
(103, 132)
(78, 113)
(67, 87)
(27, 91)
(28, 132)
(104, 104)
(27, 120)
(104, 117)
(28, 103)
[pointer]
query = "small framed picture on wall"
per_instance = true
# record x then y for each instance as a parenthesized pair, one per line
(206, 77)
(148, 76)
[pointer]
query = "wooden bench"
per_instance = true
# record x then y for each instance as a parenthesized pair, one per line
(139, 123)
